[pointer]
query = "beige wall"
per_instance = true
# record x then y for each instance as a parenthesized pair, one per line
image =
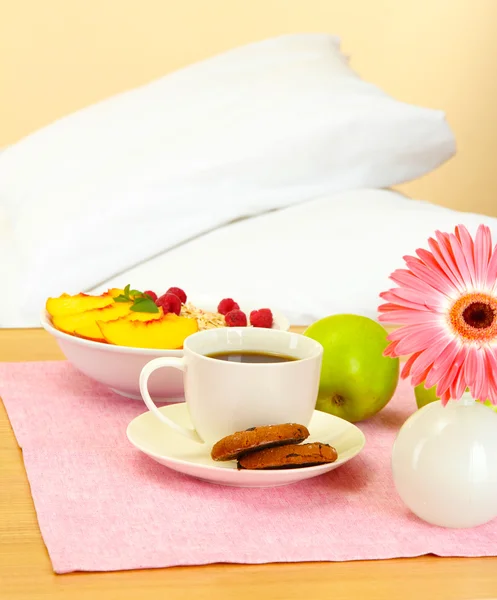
(60, 55)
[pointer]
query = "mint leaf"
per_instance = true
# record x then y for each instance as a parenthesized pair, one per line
(146, 305)
(141, 302)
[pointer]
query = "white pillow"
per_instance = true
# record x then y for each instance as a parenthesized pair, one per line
(326, 256)
(263, 126)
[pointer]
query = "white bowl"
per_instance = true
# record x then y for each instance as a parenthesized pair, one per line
(119, 367)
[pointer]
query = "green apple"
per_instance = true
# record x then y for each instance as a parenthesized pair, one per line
(357, 381)
(425, 396)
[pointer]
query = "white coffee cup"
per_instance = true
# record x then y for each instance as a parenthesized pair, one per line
(224, 397)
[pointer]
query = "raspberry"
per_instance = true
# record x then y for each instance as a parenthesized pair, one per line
(236, 318)
(227, 305)
(178, 292)
(261, 318)
(170, 303)
(153, 295)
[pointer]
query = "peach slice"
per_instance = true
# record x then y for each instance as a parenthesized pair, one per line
(84, 324)
(69, 305)
(143, 316)
(113, 292)
(166, 333)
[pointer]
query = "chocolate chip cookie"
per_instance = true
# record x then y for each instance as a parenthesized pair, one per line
(233, 446)
(291, 456)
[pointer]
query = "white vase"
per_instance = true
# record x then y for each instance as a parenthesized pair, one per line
(444, 463)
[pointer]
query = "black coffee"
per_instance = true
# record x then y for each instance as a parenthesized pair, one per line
(252, 357)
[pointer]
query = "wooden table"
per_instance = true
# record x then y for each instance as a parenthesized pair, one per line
(25, 570)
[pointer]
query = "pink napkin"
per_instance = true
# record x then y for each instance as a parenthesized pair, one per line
(104, 506)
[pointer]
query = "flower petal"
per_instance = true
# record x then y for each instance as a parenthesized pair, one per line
(413, 299)
(470, 367)
(387, 307)
(491, 279)
(391, 350)
(419, 377)
(423, 299)
(439, 261)
(445, 398)
(448, 255)
(447, 381)
(406, 370)
(492, 359)
(491, 373)
(448, 356)
(478, 389)
(434, 260)
(458, 385)
(468, 248)
(420, 338)
(428, 356)
(402, 332)
(460, 260)
(492, 394)
(483, 250)
(436, 279)
(408, 316)
(432, 378)
(407, 279)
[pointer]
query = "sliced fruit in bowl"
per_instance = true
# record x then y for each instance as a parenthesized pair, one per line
(84, 324)
(84, 315)
(69, 305)
(110, 337)
(139, 316)
(169, 331)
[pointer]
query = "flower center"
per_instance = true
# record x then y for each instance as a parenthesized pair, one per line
(474, 317)
(479, 315)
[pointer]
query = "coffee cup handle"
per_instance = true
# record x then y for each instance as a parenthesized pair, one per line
(148, 369)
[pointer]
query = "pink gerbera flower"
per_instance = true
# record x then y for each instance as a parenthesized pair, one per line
(447, 302)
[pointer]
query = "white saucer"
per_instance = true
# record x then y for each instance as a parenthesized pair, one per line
(177, 452)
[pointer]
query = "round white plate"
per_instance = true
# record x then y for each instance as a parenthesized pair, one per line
(177, 452)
